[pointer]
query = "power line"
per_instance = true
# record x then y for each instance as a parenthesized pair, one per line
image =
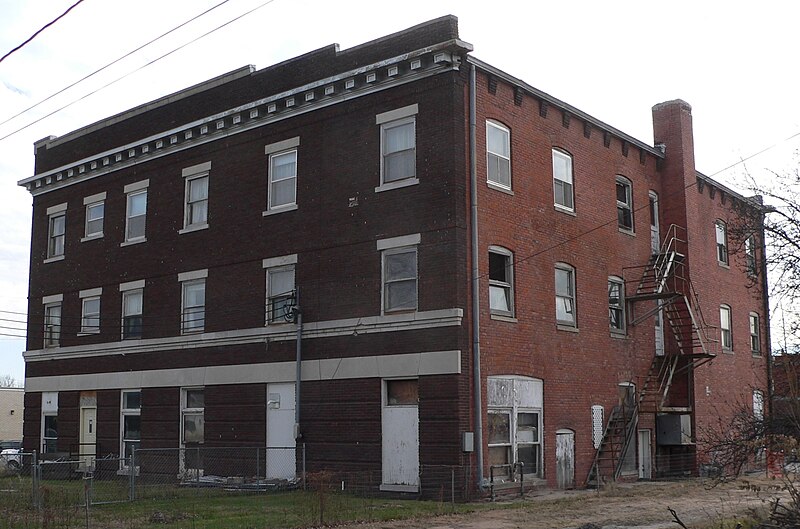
(114, 62)
(62, 15)
(138, 69)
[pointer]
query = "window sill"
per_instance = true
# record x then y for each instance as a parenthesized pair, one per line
(89, 333)
(503, 317)
(498, 187)
(724, 265)
(568, 328)
(281, 209)
(193, 331)
(132, 242)
(54, 259)
(193, 227)
(92, 237)
(619, 335)
(565, 210)
(391, 312)
(406, 182)
(629, 233)
(727, 351)
(756, 354)
(129, 338)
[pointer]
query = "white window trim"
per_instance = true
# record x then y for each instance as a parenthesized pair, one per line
(628, 205)
(190, 411)
(49, 408)
(85, 296)
(397, 242)
(187, 226)
(717, 225)
(184, 284)
(131, 190)
(571, 269)
(96, 235)
(726, 309)
(499, 250)
(125, 293)
(622, 330)
(492, 183)
(136, 186)
(277, 264)
(396, 118)
(55, 298)
(754, 317)
(52, 213)
(194, 274)
(57, 302)
(392, 251)
(58, 208)
(123, 412)
(568, 156)
(132, 285)
(272, 149)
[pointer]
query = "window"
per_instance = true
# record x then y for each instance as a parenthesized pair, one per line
(196, 206)
(193, 311)
(722, 242)
(49, 433)
(280, 294)
(52, 324)
(90, 314)
(565, 295)
(136, 198)
(131, 423)
(399, 150)
(624, 204)
(758, 404)
(498, 155)
(755, 333)
(501, 281)
(400, 279)
(282, 179)
(55, 238)
(193, 416)
(562, 180)
(725, 327)
(132, 313)
(750, 255)
(402, 392)
(95, 212)
(616, 305)
(514, 425)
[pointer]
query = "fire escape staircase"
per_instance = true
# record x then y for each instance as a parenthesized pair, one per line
(663, 280)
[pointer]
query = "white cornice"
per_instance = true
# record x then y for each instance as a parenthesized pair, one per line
(274, 333)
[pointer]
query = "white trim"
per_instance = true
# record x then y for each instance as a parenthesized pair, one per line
(398, 242)
(283, 145)
(132, 241)
(58, 208)
(55, 298)
(392, 322)
(193, 227)
(131, 285)
(397, 184)
(90, 292)
(357, 367)
(398, 113)
(279, 209)
(136, 186)
(284, 260)
(53, 259)
(195, 274)
(196, 169)
(91, 199)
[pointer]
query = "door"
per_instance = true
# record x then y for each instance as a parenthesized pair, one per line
(655, 236)
(400, 436)
(281, 458)
(645, 456)
(88, 437)
(565, 459)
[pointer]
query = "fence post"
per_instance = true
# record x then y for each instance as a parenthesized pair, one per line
(453, 485)
(304, 466)
(132, 475)
(35, 480)
(258, 466)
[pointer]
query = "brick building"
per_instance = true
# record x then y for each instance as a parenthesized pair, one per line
(412, 209)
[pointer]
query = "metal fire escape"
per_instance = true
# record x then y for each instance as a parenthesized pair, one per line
(665, 282)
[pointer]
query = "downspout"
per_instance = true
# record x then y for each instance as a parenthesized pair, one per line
(765, 297)
(476, 306)
(298, 367)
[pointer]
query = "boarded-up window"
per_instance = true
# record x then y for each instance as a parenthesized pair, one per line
(402, 392)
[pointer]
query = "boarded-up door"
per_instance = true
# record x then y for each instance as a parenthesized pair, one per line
(565, 459)
(281, 456)
(400, 435)
(88, 437)
(645, 456)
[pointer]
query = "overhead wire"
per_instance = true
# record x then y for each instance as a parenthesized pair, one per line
(59, 17)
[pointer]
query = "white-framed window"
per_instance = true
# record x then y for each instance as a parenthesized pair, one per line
(193, 307)
(755, 333)
(565, 295)
(132, 313)
(624, 203)
(616, 304)
(563, 194)
(398, 150)
(195, 207)
(758, 404)
(95, 214)
(136, 211)
(90, 310)
(192, 416)
(130, 423)
(52, 320)
(282, 179)
(750, 255)
(498, 155)
(49, 432)
(56, 229)
(280, 293)
(501, 281)
(726, 337)
(721, 235)
(399, 275)
(515, 425)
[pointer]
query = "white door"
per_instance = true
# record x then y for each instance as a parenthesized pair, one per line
(281, 454)
(565, 459)
(655, 236)
(645, 457)
(88, 437)
(400, 436)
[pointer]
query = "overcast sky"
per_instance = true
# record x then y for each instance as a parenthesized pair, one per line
(734, 62)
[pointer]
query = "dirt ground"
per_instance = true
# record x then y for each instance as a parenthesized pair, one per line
(641, 505)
